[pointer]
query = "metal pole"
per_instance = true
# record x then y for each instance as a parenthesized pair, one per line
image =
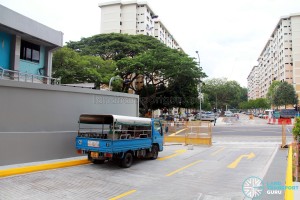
(111, 79)
(200, 95)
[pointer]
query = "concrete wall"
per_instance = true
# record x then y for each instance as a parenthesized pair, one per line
(39, 122)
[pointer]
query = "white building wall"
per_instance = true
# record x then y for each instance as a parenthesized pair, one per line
(295, 26)
(128, 19)
(280, 58)
(253, 78)
(134, 18)
(110, 19)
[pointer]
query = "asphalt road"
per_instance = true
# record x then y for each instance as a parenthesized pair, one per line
(245, 130)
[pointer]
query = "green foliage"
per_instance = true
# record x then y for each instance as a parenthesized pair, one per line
(173, 74)
(72, 67)
(170, 77)
(114, 46)
(284, 95)
(296, 129)
(271, 90)
(260, 103)
(222, 92)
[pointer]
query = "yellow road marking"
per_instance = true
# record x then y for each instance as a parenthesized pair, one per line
(178, 152)
(218, 151)
(236, 162)
(178, 170)
(123, 195)
(173, 134)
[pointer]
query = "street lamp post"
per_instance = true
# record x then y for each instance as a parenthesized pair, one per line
(200, 95)
(110, 81)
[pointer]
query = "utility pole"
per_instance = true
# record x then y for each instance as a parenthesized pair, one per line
(200, 95)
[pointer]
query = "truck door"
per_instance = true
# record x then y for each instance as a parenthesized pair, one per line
(157, 134)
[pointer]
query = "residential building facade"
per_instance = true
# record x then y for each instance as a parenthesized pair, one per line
(253, 83)
(279, 59)
(134, 18)
(26, 47)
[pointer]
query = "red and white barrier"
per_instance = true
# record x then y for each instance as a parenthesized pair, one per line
(280, 121)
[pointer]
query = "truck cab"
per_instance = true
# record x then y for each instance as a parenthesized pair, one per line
(118, 138)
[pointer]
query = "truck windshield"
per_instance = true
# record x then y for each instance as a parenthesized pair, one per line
(157, 127)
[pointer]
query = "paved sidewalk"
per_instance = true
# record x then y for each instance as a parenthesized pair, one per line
(276, 173)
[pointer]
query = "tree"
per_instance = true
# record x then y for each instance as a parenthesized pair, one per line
(284, 95)
(222, 93)
(72, 67)
(114, 46)
(166, 77)
(260, 103)
(170, 78)
(271, 91)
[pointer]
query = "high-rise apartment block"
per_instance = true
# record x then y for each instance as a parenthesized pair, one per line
(253, 84)
(279, 60)
(134, 18)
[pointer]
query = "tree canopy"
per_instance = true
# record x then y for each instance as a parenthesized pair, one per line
(114, 46)
(167, 77)
(271, 91)
(260, 103)
(284, 95)
(222, 93)
(72, 67)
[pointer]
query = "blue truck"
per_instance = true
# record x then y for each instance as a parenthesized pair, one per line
(118, 138)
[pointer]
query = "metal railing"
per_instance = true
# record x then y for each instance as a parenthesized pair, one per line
(27, 77)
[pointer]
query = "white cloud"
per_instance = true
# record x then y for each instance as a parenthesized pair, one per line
(229, 35)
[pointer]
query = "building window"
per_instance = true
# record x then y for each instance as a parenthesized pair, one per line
(30, 51)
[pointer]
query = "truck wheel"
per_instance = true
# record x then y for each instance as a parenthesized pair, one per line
(154, 152)
(127, 160)
(98, 161)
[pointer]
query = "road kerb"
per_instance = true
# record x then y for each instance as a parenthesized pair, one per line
(41, 167)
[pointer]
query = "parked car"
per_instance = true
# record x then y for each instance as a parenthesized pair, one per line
(228, 114)
(207, 116)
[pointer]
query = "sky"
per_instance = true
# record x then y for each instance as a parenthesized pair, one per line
(228, 34)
